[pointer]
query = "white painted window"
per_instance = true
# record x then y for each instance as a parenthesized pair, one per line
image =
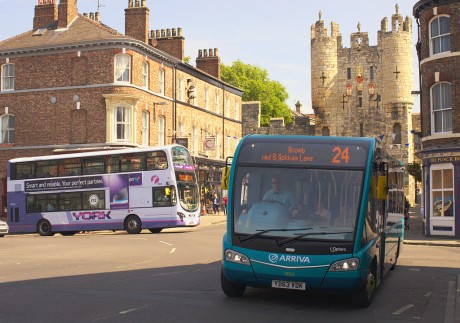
(206, 99)
(145, 75)
(217, 102)
(441, 108)
(440, 35)
(145, 128)
(8, 77)
(181, 89)
(161, 81)
(122, 124)
(237, 110)
(161, 131)
(227, 107)
(7, 129)
(442, 190)
(123, 68)
(195, 140)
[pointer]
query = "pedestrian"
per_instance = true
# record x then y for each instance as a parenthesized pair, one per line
(224, 204)
(215, 204)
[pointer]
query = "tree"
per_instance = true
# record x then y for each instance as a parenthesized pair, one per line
(415, 170)
(257, 86)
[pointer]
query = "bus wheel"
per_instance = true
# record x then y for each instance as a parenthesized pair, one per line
(231, 289)
(133, 224)
(44, 228)
(364, 296)
(156, 230)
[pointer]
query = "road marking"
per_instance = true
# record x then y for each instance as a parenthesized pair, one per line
(137, 263)
(427, 294)
(414, 269)
(172, 250)
(403, 309)
(131, 310)
(165, 243)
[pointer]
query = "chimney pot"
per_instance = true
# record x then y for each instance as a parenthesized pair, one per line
(179, 32)
(205, 52)
(174, 32)
(211, 53)
(163, 33)
(168, 33)
(158, 33)
(216, 52)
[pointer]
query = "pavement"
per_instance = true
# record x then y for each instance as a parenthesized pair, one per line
(415, 234)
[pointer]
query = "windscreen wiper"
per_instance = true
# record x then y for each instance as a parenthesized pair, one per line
(289, 240)
(255, 235)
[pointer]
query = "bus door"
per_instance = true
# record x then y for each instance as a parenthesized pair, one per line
(16, 212)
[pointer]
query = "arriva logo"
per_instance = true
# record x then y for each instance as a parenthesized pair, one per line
(273, 258)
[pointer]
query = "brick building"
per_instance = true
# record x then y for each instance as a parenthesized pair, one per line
(438, 50)
(365, 90)
(72, 83)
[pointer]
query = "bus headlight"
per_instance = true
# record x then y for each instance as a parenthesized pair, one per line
(233, 256)
(345, 265)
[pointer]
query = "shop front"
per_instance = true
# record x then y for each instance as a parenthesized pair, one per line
(441, 183)
(209, 176)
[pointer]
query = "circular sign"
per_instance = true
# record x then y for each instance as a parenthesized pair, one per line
(93, 199)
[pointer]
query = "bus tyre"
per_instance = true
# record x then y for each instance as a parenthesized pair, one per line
(155, 230)
(231, 289)
(133, 224)
(44, 228)
(364, 296)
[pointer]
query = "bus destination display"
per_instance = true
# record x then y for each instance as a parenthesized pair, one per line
(314, 154)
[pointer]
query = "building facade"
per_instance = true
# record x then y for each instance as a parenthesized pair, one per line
(74, 84)
(364, 90)
(438, 50)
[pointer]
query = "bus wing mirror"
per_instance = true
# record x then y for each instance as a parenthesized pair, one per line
(382, 188)
(225, 178)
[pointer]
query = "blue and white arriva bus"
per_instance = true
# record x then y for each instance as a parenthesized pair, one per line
(313, 214)
(124, 189)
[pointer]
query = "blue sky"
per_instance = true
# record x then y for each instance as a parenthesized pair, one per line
(274, 35)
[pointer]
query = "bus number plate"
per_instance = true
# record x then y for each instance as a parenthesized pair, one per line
(288, 284)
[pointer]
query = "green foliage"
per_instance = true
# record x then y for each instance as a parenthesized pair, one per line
(187, 59)
(415, 170)
(257, 86)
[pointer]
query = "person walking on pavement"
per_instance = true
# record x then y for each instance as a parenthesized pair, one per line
(224, 204)
(215, 204)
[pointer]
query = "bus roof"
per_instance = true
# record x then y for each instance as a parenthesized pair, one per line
(93, 153)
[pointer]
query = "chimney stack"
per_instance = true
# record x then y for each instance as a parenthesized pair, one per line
(46, 13)
(67, 12)
(137, 20)
(171, 41)
(209, 63)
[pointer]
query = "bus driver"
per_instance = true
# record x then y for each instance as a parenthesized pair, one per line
(280, 194)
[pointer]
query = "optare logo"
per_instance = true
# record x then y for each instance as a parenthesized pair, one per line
(155, 179)
(337, 249)
(273, 258)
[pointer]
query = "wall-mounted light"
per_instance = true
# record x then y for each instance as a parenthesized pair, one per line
(53, 100)
(75, 98)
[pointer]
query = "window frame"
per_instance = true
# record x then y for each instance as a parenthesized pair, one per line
(145, 74)
(9, 77)
(441, 110)
(439, 36)
(443, 189)
(161, 130)
(161, 81)
(126, 69)
(126, 123)
(8, 131)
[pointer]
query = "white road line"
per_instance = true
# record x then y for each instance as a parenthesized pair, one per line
(414, 269)
(131, 310)
(165, 243)
(137, 263)
(427, 294)
(403, 309)
(172, 250)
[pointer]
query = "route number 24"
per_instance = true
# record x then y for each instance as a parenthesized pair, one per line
(341, 155)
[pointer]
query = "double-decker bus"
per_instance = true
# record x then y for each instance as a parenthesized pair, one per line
(124, 189)
(312, 213)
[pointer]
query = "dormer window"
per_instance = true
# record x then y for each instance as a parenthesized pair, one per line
(123, 68)
(8, 77)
